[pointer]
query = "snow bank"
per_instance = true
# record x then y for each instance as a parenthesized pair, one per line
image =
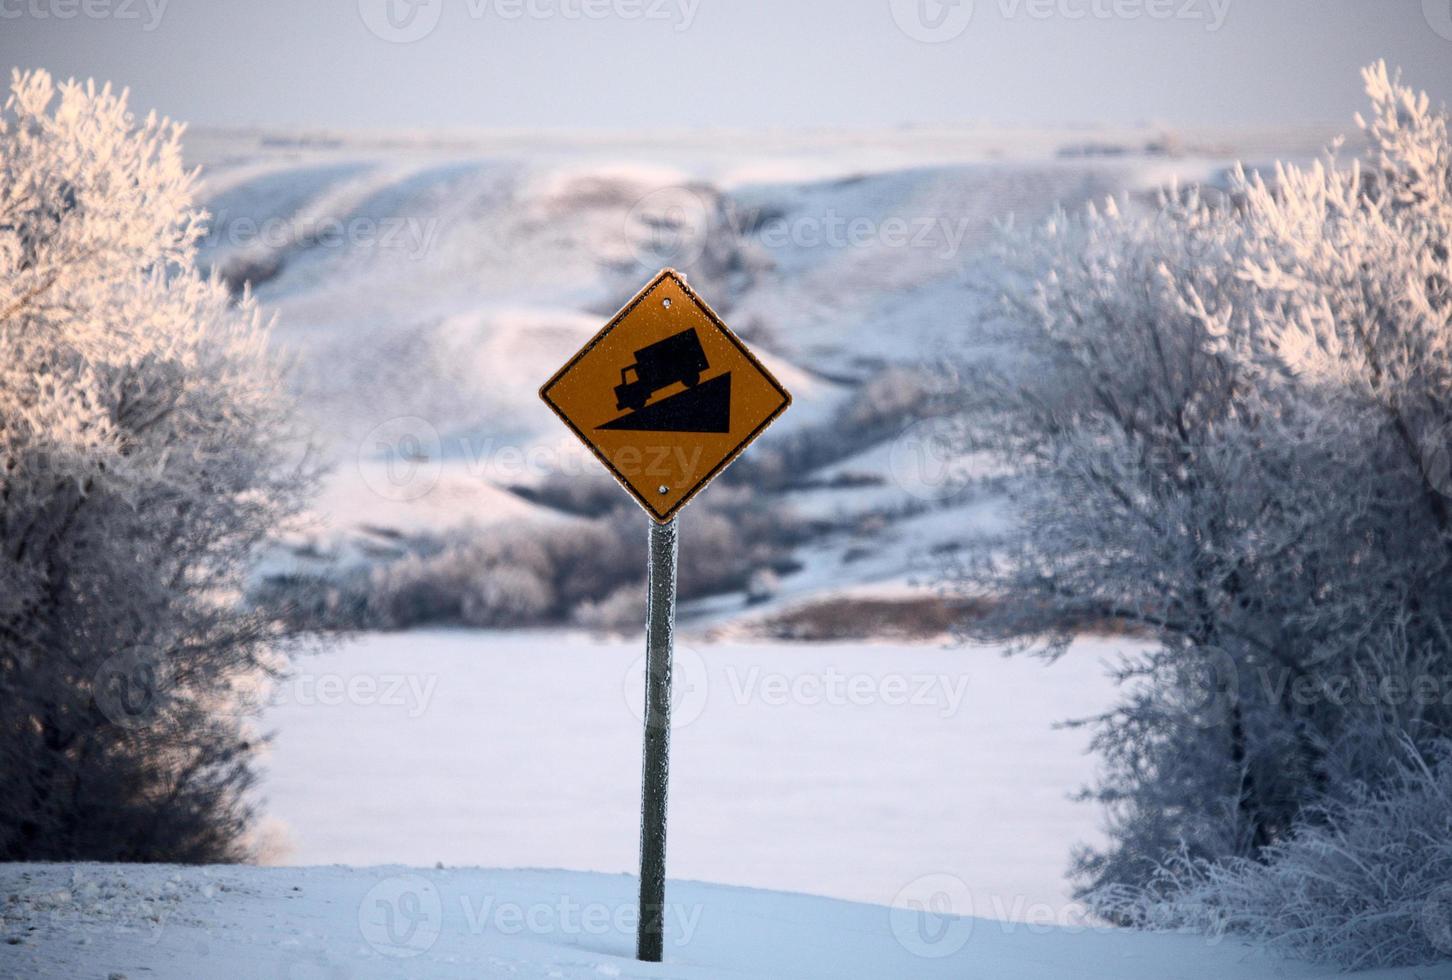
(168, 923)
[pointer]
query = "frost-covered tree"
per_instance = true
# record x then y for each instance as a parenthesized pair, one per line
(1366, 883)
(1232, 421)
(143, 433)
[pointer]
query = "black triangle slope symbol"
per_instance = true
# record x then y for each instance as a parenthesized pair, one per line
(704, 408)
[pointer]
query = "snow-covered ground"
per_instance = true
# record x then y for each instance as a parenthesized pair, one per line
(840, 770)
(924, 784)
(75, 922)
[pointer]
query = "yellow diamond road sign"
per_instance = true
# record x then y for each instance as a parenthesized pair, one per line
(665, 395)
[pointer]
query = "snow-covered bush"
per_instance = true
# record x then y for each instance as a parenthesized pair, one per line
(505, 596)
(622, 611)
(498, 576)
(1366, 883)
(143, 436)
(583, 570)
(1231, 428)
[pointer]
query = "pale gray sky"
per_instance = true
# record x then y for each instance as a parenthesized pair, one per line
(736, 63)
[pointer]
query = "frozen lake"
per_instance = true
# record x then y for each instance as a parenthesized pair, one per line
(848, 771)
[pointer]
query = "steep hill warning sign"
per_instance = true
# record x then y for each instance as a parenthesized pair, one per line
(665, 395)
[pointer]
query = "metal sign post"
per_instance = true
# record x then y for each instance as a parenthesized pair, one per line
(660, 627)
(666, 396)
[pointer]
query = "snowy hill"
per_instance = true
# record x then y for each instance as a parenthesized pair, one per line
(170, 923)
(428, 283)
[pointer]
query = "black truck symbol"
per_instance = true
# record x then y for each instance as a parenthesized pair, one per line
(677, 358)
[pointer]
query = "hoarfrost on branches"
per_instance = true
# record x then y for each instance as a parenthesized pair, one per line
(1231, 422)
(144, 439)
